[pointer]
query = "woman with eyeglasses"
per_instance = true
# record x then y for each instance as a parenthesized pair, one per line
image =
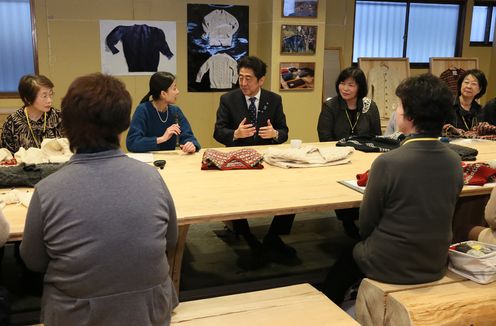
(467, 113)
(36, 120)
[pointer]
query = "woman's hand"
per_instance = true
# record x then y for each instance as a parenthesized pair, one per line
(169, 132)
(188, 147)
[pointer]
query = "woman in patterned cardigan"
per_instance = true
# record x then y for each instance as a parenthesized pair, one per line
(36, 120)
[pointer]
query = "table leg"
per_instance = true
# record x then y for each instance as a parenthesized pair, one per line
(176, 258)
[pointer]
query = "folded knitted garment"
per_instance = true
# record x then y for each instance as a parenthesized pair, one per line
(53, 150)
(245, 158)
(373, 143)
(26, 175)
(474, 174)
(466, 153)
(307, 157)
(483, 130)
(477, 174)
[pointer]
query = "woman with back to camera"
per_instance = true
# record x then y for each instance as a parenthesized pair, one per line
(159, 124)
(350, 112)
(467, 113)
(103, 255)
(36, 120)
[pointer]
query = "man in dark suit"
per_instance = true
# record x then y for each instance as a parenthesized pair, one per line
(251, 116)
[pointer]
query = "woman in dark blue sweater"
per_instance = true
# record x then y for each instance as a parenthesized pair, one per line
(159, 124)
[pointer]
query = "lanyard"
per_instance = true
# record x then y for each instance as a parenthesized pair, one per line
(352, 126)
(419, 139)
(31, 129)
(465, 122)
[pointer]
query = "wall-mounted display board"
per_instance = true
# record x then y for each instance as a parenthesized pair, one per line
(383, 76)
(332, 68)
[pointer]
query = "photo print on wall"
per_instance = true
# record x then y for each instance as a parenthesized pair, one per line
(297, 76)
(298, 39)
(130, 47)
(299, 8)
(217, 39)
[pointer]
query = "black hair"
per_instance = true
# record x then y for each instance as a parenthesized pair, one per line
(481, 78)
(29, 86)
(359, 78)
(159, 81)
(257, 65)
(427, 101)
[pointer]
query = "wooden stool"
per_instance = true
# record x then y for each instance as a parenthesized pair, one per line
(450, 301)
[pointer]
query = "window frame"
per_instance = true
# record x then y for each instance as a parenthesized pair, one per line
(15, 95)
(491, 5)
(459, 31)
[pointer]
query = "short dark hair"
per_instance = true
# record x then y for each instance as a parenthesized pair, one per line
(95, 110)
(29, 86)
(254, 63)
(159, 81)
(481, 78)
(359, 78)
(427, 100)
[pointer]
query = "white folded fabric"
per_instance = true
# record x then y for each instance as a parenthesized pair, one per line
(15, 196)
(5, 154)
(31, 155)
(53, 150)
(56, 149)
(308, 156)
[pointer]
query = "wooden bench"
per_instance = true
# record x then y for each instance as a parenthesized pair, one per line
(450, 301)
(292, 305)
(300, 304)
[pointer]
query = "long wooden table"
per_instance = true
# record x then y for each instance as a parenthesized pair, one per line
(203, 196)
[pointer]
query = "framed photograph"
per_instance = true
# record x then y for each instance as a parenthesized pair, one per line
(298, 39)
(383, 76)
(299, 8)
(296, 76)
(332, 68)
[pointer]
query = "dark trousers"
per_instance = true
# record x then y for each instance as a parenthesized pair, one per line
(281, 224)
(4, 307)
(347, 214)
(341, 277)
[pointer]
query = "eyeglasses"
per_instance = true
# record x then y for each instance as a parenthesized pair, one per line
(46, 96)
(472, 84)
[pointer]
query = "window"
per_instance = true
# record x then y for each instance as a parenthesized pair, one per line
(413, 29)
(483, 18)
(17, 53)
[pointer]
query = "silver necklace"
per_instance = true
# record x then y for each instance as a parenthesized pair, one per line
(167, 117)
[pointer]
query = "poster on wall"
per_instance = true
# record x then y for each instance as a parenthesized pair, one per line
(217, 39)
(130, 47)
